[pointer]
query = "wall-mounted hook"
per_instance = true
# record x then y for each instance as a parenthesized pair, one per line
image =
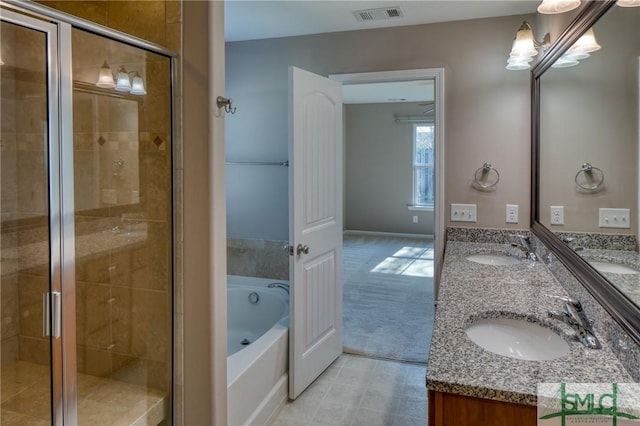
(225, 103)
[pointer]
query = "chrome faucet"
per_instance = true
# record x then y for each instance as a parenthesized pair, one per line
(524, 244)
(283, 286)
(574, 316)
(570, 242)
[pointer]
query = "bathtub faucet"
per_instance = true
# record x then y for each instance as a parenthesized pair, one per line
(283, 286)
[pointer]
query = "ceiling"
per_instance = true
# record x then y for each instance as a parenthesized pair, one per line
(260, 19)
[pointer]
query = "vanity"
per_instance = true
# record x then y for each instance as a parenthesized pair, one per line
(583, 288)
(467, 382)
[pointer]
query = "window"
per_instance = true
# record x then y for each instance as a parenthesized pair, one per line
(423, 160)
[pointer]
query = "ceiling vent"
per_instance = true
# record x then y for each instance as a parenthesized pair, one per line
(378, 14)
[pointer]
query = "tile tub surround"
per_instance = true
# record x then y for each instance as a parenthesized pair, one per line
(469, 290)
(258, 258)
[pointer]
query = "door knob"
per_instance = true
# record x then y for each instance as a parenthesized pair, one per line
(302, 249)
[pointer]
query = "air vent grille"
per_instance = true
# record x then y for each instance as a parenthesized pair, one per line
(378, 14)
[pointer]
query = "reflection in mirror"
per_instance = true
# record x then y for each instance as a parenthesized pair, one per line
(588, 152)
(106, 148)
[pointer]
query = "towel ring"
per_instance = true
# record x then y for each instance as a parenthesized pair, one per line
(482, 174)
(591, 183)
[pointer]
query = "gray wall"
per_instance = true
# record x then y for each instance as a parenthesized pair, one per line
(589, 113)
(486, 107)
(379, 173)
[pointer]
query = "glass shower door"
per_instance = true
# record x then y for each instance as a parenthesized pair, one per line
(27, 269)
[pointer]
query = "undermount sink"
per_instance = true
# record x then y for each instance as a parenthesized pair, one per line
(516, 338)
(493, 259)
(614, 268)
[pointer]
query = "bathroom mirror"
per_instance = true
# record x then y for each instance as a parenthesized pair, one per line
(585, 157)
(106, 160)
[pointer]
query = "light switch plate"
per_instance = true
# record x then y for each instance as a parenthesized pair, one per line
(613, 218)
(463, 213)
(512, 213)
(557, 215)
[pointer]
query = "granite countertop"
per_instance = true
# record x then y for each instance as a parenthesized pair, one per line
(470, 290)
(629, 284)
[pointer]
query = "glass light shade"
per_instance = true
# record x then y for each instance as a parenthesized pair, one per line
(557, 6)
(576, 56)
(628, 3)
(585, 44)
(137, 85)
(518, 64)
(523, 46)
(105, 78)
(123, 84)
(564, 62)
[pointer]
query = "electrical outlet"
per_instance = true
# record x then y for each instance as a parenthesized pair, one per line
(613, 218)
(512, 213)
(415, 219)
(463, 213)
(557, 215)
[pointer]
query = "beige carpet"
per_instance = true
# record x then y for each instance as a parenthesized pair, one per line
(388, 303)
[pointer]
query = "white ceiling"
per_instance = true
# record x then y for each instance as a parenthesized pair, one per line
(397, 91)
(259, 19)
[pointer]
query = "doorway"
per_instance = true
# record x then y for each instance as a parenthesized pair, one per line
(393, 124)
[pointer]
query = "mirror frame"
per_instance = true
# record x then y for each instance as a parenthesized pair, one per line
(625, 312)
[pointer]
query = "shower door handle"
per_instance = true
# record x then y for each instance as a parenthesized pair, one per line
(51, 314)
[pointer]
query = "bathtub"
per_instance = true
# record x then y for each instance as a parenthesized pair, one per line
(257, 379)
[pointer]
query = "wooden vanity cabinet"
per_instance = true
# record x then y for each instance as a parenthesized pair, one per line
(447, 409)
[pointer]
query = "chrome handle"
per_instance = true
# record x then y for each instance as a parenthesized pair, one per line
(46, 315)
(56, 314)
(568, 299)
(302, 249)
(51, 314)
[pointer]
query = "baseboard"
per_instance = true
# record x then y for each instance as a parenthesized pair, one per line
(390, 234)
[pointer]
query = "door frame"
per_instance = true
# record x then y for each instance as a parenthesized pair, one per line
(437, 75)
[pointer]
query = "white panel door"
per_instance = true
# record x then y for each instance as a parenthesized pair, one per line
(315, 204)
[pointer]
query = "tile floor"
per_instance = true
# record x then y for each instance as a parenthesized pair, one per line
(360, 391)
(26, 400)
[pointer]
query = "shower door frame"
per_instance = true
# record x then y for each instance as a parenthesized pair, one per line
(61, 227)
(58, 27)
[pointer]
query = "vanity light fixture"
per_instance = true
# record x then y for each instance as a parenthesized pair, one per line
(580, 50)
(105, 78)
(122, 81)
(628, 3)
(557, 6)
(525, 47)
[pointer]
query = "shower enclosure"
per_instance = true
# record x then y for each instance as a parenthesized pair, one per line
(86, 233)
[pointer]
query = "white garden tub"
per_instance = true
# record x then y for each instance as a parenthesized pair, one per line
(258, 342)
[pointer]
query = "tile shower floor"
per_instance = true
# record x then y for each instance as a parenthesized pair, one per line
(25, 399)
(356, 391)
